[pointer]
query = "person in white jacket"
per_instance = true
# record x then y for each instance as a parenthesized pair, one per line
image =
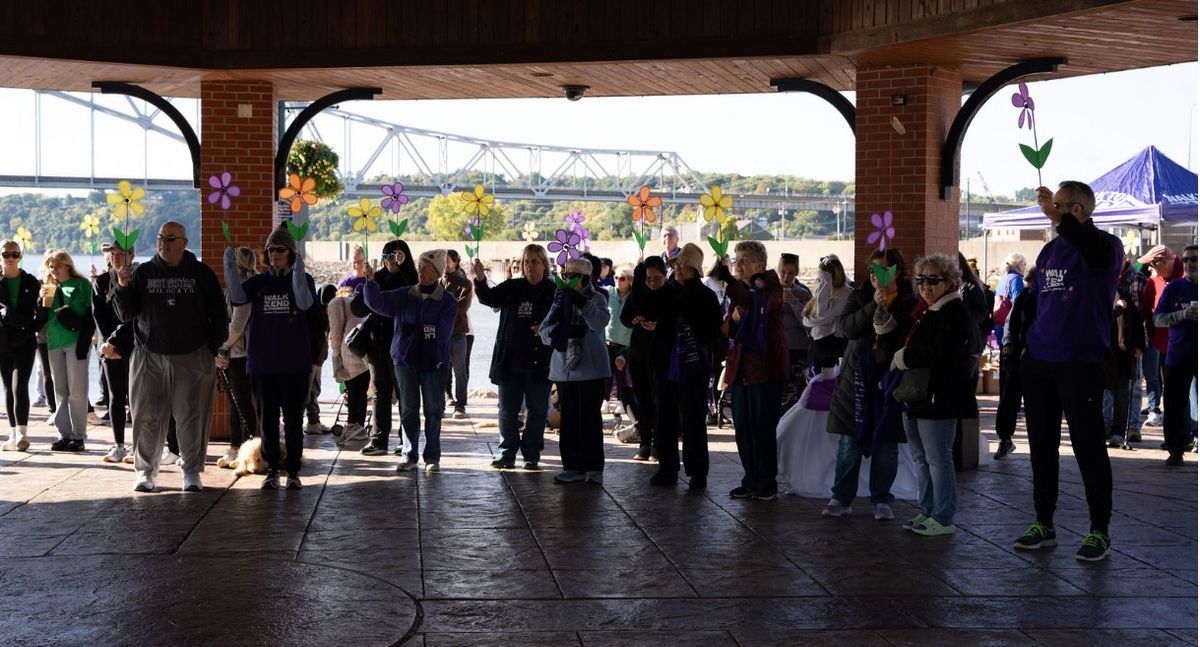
(821, 313)
(348, 369)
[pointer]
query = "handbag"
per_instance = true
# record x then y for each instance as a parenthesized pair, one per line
(1000, 315)
(914, 385)
(358, 340)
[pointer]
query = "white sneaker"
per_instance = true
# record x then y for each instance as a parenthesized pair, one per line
(116, 454)
(143, 484)
(1155, 419)
(627, 434)
(406, 466)
(883, 512)
(315, 429)
(354, 432)
(191, 482)
(128, 460)
(835, 509)
(228, 459)
(168, 458)
(431, 468)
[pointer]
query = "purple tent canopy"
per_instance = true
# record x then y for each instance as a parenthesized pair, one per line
(1147, 189)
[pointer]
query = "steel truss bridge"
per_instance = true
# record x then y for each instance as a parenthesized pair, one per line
(443, 162)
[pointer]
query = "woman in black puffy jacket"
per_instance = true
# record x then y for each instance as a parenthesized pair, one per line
(941, 341)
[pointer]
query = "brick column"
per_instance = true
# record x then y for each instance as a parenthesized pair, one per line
(900, 172)
(237, 135)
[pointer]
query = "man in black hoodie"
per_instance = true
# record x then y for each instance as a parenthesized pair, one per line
(178, 311)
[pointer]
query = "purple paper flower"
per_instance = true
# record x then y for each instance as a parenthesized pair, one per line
(585, 237)
(467, 229)
(884, 231)
(395, 197)
(224, 189)
(574, 220)
(1022, 100)
(565, 243)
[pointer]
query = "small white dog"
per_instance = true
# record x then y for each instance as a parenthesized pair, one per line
(250, 458)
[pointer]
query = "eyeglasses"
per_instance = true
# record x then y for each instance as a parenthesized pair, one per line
(277, 249)
(928, 279)
(169, 238)
(13, 255)
(1186, 259)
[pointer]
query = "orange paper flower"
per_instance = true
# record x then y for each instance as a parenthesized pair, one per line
(299, 192)
(644, 204)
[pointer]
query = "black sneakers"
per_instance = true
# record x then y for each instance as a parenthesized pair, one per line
(1095, 547)
(664, 479)
(1037, 536)
(741, 492)
(1006, 448)
(61, 445)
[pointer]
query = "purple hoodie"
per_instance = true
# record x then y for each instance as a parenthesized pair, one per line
(1076, 282)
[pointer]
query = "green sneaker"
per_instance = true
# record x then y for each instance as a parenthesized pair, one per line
(1037, 536)
(908, 525)
(1094, 548)
(931, 527)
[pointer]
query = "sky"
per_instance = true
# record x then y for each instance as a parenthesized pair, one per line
(1097, 122)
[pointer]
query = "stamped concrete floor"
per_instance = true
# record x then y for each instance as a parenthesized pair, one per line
(472, 556)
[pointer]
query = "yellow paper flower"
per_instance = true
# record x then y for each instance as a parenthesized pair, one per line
(478, 202)
(25, 238)
(365, 214)
(90, 225)
(298, 191)
(127, 201)
(715, 204)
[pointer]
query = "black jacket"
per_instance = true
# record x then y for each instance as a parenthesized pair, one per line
(176, 310)
(979, 310)
(699, 308)
(660, 306)
(102, 308)
(941, 341)
(20, 322)
(507, 296)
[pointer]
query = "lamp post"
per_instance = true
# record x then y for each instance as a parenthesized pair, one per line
(837, 217)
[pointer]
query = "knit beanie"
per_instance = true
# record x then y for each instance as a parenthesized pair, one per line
(281, 237)
(434, 257)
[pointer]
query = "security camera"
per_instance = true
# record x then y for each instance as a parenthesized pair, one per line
(574, 92)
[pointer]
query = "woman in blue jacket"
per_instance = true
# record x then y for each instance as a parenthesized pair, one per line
(574, 329)
(423, 317)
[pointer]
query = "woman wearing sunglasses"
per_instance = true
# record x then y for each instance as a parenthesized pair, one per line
(21, 316)
(398, 269)
(941, 340)
(278, 350)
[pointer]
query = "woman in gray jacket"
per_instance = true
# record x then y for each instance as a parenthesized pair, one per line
(574, 329)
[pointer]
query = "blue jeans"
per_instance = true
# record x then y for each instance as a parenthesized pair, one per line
(517, 389)
(932, 445)
(1135, 402)
(1152, 366)
(424, 389)
(883, 471)
(756, 409)
(460, 367)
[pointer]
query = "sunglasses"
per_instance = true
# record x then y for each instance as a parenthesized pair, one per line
(928, 279)
(1186, 259)
(169, 239)
(390, 256)
(277, 249)
(10, 255)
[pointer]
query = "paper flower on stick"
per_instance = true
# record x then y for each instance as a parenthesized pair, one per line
(530, 232)
(126, 204)
(1133, 243)
(365, 215)
(1037, 155)
(223, 189)
(394, 198)
(884, 231)
(715, 204)
(566, 243)
(25, 238)
(127, 201)
(643, 205)
(90, 226)
(478, 202)
(574, 222)
(299, 192)
(474, 231)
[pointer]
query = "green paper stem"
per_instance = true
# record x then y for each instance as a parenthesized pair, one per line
(884, 277)
(298, 232)
(398, 228)
(719, 244)
(470, 251)
(225, 230)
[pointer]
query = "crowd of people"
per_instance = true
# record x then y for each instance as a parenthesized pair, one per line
(678, 344)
